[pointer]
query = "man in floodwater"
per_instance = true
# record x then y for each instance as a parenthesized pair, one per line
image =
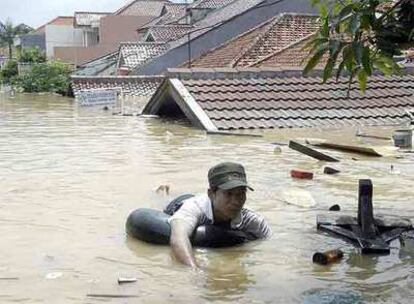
(222, 206)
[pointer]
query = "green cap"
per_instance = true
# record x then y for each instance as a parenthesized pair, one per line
(227, 176)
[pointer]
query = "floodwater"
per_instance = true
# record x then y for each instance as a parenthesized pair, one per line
(69, 177)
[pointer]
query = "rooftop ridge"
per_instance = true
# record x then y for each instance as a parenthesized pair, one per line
(273, 21)
(263, 38)
(282, 50)
(250, 72)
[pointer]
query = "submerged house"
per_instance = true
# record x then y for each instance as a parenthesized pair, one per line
(266, 98)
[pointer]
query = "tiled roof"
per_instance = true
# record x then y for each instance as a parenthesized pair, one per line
(224, 55)
(259, 44)
(281, 33)
(292, 56)
(211, 4)
(172, 12)
(130, 85)
(282, 99)
(142, 8)
(135, 90)
(105, 65)
(60, 20)
(132, 55)
(165, 33)
(218, 16)
(88, 18)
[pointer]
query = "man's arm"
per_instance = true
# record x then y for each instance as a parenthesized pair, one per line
(180, 242)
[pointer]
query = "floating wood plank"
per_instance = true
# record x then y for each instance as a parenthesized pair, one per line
(347, 148)
(233, 134)
(113, 296)
(373, 136)
(311, 152)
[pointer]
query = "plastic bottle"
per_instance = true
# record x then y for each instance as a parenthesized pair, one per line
(327, 257)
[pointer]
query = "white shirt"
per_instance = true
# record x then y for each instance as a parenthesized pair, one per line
(197, 211)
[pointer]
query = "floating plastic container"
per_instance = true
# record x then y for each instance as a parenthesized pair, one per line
(403, 138)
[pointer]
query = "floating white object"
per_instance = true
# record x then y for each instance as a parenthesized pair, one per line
(54, 275)
(298, 197)
(126, 280)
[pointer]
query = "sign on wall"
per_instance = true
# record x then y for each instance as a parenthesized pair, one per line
(97, 97)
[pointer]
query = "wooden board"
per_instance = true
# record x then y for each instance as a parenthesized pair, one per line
(347, 148)
(311, 152)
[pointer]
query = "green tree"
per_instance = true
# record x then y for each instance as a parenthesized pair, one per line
(32, 55)
(357, 37)
(8, 32)
(8, 73)
(47, 77)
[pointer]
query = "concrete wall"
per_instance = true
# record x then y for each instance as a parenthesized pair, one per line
(80, 55)
(61, 36)
(113, 30)
(33, 40)
(116, 29)
(227, 31)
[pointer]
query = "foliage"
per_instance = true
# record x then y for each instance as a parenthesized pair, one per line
(32, 55)
(9, 72)
(360, 36)
(8, 32)
(47, 77)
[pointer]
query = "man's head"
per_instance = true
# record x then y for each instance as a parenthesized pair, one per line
(228, 185)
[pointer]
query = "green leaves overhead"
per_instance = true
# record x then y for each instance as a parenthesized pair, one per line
(357, 37)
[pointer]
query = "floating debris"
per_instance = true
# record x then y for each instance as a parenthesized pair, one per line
(335, 207)
(298, 197)
(347, 148)
(330, 171)
(114, 296)
(163, 189)
(301, 174)
(54, 275)
(327, 257)
(126, 280)
(311, 152)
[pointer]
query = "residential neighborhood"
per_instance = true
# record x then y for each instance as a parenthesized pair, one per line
(207, 151)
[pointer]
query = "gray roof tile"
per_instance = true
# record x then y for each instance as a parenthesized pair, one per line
(243, 102)
(133, 55)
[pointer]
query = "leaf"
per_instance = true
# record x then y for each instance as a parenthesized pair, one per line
(340, 69)
(345, 12)
(358, 49)
(315, 43)
(327, 72)
(362, 79)
(325, 27)
(314, 59)
(366, 60)
(354, 23)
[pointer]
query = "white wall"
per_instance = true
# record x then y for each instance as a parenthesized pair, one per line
(62, 35)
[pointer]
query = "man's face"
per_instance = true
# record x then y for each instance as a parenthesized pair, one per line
(228, 203)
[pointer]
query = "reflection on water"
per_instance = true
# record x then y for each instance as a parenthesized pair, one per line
(69, 177)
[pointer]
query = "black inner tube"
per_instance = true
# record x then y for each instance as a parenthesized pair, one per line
(152, 226)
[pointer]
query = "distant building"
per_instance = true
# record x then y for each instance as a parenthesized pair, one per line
(103, 32)
(58, 32)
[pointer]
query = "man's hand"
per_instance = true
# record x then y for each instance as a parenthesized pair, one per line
(180, 242)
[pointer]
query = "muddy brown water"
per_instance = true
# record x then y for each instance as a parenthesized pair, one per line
(69, 177)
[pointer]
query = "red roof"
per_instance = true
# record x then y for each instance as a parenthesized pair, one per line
(60, 20)
(257, 46)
